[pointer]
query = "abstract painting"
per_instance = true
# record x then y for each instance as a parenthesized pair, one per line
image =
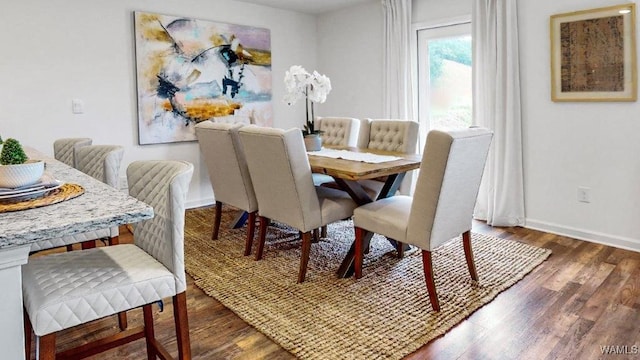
(191, 70)
(593, 55)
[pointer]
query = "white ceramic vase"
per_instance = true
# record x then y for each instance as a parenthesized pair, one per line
(313, 142)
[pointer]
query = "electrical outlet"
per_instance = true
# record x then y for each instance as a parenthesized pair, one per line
(584, 194)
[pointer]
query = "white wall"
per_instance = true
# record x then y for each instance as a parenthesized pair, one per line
(54, 51)
(350, 53)
(429, 11)
(567, 145)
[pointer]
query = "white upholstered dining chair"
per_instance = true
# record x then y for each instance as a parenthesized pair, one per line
(64, 149)
(336, 131)
(101, 162)
(281, 177)
(442, 205)
(224, 156)
(387, 135)
(68, 289)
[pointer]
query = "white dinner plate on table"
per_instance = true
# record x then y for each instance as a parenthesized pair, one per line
(30, 193)
(22, 189)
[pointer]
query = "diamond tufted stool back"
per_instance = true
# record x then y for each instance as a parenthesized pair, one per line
(101, 162)
(64, 149)
(67, 289)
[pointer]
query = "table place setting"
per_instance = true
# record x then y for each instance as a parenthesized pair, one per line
(353, 155)
(46, 184)
(46, 191)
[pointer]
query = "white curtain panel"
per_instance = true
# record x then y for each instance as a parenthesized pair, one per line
(496, 105)
(397, 102)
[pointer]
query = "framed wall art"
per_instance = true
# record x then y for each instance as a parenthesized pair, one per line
(190, 70)
(593, 55)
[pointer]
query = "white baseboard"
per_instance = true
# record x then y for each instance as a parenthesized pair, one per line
(191, 204)
(591, 236)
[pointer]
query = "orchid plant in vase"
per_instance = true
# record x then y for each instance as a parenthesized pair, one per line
(313, 87)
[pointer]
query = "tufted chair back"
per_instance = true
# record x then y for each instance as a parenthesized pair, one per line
(64, 149)
(164, 185)
(389, 135)
(101, 162)
(339, 131)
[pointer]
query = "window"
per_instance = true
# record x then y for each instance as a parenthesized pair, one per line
(444, 77)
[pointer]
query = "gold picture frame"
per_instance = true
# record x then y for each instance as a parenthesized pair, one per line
(593, 55)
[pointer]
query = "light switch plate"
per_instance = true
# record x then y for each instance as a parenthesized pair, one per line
(77, 106)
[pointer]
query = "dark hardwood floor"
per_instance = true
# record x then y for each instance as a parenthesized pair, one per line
(581, 303)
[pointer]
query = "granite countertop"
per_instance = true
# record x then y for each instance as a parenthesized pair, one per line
(101, 206)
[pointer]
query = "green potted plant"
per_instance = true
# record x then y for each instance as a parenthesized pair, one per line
(12, 152)
(16, 170)
(314, 88)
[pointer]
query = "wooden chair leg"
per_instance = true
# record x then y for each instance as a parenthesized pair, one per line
(323, 231)
(28, 330)
(400, 249)
(316, 235)
(88, 244)
(304, 257)
(122, 320)
(468, 254)
(114, 240)
(359, 252)
(428, 277)
(251, 229)
(264, 223)
(216, 221)
(182, 326)
(47, 347)
(149, 333)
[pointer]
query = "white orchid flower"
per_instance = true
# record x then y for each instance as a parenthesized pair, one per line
(295, 81)
(320, 86)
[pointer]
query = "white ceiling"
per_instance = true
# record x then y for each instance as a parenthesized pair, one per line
(308, 6)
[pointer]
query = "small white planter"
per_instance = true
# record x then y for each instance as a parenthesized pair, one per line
(313, 142)
(13, 176)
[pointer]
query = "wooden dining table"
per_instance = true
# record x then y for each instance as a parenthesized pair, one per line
(347, 174)
(99, 207)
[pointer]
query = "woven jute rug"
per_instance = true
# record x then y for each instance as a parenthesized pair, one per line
(384, 315)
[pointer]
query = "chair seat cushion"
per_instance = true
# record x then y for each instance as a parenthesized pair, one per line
(319, 179)
(388, 217)
(66, 289)
(334, 205)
